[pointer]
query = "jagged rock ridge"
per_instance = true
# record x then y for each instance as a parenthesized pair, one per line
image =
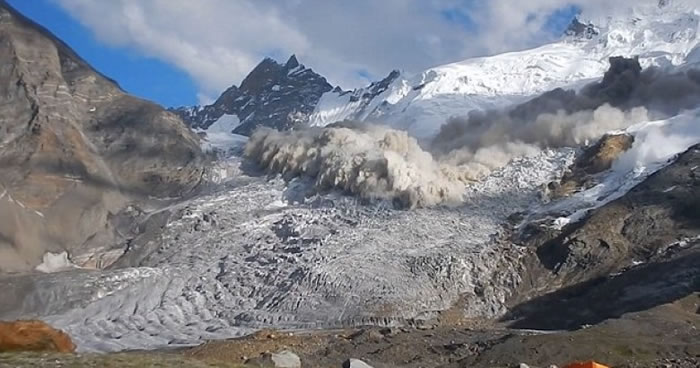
(272, 95)
(582, 30)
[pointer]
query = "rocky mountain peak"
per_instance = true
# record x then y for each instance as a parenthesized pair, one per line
(76, 151)
(374, 89)
(228, 96)
(292, 62)
(577, 29)
(263, 74)
(275, 95)
(362, 104)
(72, 65)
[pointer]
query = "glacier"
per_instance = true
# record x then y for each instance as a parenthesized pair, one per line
(261, 253)
(257, 251)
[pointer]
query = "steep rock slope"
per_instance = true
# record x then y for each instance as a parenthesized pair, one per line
(662, 33)
(75, 149)
(272, 95)
(632, 254)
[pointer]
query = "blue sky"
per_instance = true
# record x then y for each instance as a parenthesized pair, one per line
(142, 76)
(141, 45)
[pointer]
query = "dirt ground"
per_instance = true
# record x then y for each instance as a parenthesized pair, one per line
(667, 336)
(664, 336)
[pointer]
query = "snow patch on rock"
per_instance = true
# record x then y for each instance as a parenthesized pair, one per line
(220, 136)
(55, 262)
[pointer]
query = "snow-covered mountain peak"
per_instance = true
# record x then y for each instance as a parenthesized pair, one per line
(667, 28)
(640, 10)
(663, 34)
(269, 71)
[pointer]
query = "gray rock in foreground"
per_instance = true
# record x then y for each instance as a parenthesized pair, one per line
(355, 363)
(282, 359)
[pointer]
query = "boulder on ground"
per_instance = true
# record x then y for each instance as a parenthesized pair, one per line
(33, 336)
(283, 359)
(355, 363)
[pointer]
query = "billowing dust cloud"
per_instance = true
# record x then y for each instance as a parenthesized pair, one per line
(378, 162)
(488, 143)
(626, 95)
(367, 160)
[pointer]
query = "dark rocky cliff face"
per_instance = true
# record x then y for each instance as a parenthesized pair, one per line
(272, 95)
(75, 150)
(637, 252)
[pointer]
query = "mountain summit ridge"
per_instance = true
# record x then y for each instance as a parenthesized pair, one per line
(275, 95)
(664, 36)
(662, 33)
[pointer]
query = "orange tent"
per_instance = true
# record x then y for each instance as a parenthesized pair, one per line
(588, 364)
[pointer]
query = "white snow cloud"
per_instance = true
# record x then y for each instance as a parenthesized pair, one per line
(218, 42)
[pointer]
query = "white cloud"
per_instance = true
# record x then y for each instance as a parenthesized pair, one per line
(219, 41)
(215, 41)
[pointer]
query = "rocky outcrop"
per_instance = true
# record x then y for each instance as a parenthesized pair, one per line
(637, 252)
(75, 150)
(279, 96)
(33, 336)
(593, 160)
(282, 359)
(355, 363)
(580, 30)
(366, 95)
